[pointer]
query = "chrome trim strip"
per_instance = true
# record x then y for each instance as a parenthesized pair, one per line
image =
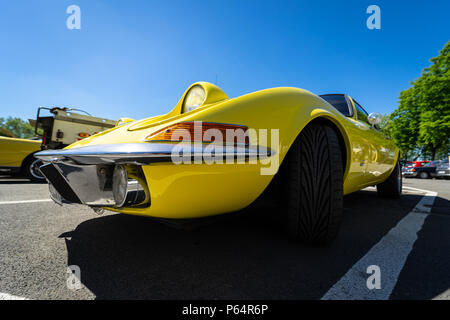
(145, 153)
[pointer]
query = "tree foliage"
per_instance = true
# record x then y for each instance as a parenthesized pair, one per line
(422, 120)
(386, 125)
(15, 127)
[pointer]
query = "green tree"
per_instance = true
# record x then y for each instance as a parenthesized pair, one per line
(17, 127)
(422, 120)
(385, 125)
(405, 121)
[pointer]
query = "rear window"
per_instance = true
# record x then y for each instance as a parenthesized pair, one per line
(339, 102)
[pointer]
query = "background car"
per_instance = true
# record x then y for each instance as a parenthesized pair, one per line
(408, 166)
(426, 171)
(418, 164)
(443, 170)
(16, 156)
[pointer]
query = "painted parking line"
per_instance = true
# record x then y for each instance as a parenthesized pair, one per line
(389, 254)
(7, 296)
(25, 201)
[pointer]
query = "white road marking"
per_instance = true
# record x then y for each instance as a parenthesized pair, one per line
(416, 189)
(443, 296)
(390, 254)
(7, 296)
(25, 201)
(426, 203)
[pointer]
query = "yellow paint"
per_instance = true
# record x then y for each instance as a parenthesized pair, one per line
(195, 190)
(122, 121)
(14, 150)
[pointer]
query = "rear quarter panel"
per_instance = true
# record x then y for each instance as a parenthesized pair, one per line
(14, 150)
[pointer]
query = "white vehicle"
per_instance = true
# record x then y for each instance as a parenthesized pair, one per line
(64, 127)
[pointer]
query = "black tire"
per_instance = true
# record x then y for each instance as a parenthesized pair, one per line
(30, 169)
(392, 187)
(314, 185)
(424, 175)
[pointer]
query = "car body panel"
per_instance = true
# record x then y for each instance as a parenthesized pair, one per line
(378, 150)
(192, 191)
(14, 150)
(195, 190)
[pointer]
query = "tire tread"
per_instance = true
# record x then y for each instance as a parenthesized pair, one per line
(315, 185)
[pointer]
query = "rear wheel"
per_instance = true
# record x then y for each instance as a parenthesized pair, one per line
(392, 187)
(30, 169)
(314, 185)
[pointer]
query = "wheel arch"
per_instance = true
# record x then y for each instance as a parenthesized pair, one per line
(344, 142)
(272, 190)
(24, 161)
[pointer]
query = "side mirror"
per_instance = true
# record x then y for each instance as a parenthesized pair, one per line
(375, 118)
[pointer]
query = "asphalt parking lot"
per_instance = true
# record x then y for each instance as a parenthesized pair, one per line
(243, 256)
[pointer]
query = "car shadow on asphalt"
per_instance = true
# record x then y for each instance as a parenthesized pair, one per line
(425, 275)
(245, 256)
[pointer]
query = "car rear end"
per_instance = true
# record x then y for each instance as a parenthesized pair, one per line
(409, 172)
(443, 170)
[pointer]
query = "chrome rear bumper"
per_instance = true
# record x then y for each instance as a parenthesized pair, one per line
(145, 153)
(85, 174)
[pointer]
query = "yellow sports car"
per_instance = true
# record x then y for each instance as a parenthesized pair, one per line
(212, 155)
(16, 156)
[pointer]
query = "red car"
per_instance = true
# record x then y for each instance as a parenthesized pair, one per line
(416, 164)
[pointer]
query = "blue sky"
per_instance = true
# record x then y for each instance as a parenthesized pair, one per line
(136, 58)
